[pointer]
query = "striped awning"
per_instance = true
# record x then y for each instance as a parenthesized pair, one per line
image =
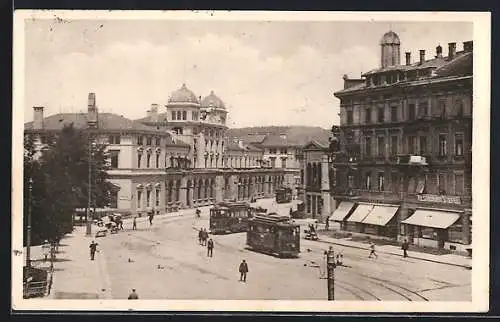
(342, 211)
(360, 213)
(380, 215)
(432, 218)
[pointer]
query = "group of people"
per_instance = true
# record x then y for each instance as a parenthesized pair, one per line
(205, 240)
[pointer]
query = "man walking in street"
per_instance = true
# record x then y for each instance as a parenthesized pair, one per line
(372, 251)
(134, 224)
(133, 295)
(210, 248)
(93, 249)
(151, 219)
(200, 236)
(404, 247)
(243, 271)
(204, 237)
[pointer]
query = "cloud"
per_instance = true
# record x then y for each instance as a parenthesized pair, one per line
(258, 89)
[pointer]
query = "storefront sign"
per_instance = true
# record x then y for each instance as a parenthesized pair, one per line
(441, 199)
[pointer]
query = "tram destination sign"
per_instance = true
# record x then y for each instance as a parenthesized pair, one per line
(440, 199)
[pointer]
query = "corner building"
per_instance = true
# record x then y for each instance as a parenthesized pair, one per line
(404, 169)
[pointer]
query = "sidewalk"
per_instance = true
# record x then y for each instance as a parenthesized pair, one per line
(448, 259)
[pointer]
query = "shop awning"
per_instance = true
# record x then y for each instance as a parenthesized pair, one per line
(360, 213)
(432, 218)
(342, 211)
(380, 215)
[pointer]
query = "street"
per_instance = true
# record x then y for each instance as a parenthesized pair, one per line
(165, 261)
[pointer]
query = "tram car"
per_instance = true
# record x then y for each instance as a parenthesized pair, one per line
(229, 217)
(283, 195)
(274, 235)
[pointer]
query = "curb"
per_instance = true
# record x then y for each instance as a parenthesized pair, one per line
(393, 254)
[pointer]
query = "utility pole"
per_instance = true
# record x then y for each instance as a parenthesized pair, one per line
(28, 227)
(330, 266)
(89, 190)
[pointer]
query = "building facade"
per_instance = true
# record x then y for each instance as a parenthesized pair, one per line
(163, 162)
(404, 169)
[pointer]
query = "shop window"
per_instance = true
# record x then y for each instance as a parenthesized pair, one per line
(427, 233)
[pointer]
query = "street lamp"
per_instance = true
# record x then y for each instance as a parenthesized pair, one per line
(89, 196)
(28, 228)
(330, 266)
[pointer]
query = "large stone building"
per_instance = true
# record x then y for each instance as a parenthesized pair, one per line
(404, 169)
(172, 160)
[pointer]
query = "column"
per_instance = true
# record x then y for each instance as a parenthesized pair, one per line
(325, 189)
(183, 193)
(219, 185)
(233, 187)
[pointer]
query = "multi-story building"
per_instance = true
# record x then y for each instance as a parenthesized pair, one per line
(164, 162)
(405, 166)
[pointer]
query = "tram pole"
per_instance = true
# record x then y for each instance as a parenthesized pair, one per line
(330, 263)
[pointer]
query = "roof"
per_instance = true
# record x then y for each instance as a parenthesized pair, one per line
(183, 95)
(212, 100)
(106, 121)
(233, 146)
(315, 144)
(390, 38)
(293, 136)
(460, 65)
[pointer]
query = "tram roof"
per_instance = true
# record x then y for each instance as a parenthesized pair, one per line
(274, 219)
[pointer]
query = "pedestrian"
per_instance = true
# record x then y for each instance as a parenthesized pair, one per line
(198, 212)
(372, 251)
(243, 271)
(46, 250)
(93, 249)
(205, 237)
(200, 236)
(121, 223)
(404, 247)
(133, 295)
(210, 248)
(151, 219)
(134, 224)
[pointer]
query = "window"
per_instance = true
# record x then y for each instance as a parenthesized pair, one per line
(459, 144)
(349, 116)
(368, 181)
(411, 145)
(114, 139)
(195, 116)
(149, 141)
(283, 163)
(394, 145)
(139, 160)
(184, 115)
(423, 145)
(395, 181)
(441, 183)
(394, 113)
(368, 146)
(157, 197)
(459, 106)
(411, 111)
(272, 151)
(157, 160)
(139, 199)
(158, 141)
(423, 108)
(380, 117)
(283, 151)
(381, 146)
(443, 146)
(459, 184)
(173, 116)
(114, 159)
(442, 108)
(273, 162)
(368, 115)
(148, 160)
(148, 198)
(350, 181)
(179, 115)
(140, 140)
(380, 181)
(308, 204)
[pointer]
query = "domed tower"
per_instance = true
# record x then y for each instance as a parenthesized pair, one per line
(213, 109)
(390, 44)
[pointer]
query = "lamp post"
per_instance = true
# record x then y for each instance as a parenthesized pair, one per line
(89, 191)
(28, 227)
(330, 266)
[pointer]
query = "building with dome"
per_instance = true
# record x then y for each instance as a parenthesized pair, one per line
(404, 169)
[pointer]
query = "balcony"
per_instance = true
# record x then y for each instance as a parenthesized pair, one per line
(412, 160)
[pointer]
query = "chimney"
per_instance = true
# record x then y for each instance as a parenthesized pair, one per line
(452, 50)
(92, 111)
(408, 58)
(153, 113)
(439, 51)
(468, 46)
(37, 117)
(422, 56)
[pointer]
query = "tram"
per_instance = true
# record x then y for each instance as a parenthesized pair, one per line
(274, 235)
(230, 217)
(283, 195)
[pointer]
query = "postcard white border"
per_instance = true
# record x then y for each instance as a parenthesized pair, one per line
(480, 167)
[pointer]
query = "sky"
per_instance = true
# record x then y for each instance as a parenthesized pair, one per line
(266, 72)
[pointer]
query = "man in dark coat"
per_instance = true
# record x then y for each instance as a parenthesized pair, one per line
(134, 224)
(404, 247)
(210, 248)
(243, 271)
(200, 236)
(205, 237)
(133, 295)
(93, 249)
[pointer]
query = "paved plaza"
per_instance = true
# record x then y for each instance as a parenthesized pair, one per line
(165, 261)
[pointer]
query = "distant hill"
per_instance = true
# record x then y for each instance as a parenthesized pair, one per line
(295, 135)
